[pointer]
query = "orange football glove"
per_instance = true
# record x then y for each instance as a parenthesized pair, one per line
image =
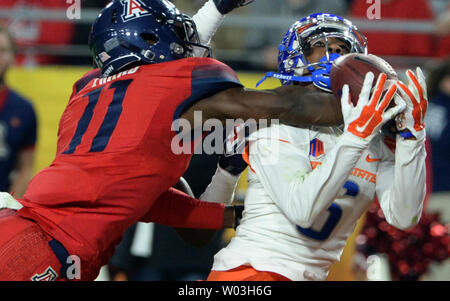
(412, 121)
(366, 119)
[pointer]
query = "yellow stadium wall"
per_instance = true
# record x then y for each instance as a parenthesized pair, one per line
(49, 89)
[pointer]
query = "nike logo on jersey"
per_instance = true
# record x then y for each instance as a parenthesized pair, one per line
(370, 160)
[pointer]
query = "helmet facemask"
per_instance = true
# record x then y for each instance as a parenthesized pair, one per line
(160, 34)
(187, 32)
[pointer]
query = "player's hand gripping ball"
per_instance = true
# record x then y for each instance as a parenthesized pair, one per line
(351, 69)
(372, 111)
(411, 123)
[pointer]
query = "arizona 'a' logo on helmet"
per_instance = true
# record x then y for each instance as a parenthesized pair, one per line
(129, 32)
(133, 9)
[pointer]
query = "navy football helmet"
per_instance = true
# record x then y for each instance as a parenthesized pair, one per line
(129, 32)
(292, 62)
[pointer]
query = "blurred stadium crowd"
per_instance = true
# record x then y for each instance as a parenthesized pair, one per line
(248, 38)
(408, 33)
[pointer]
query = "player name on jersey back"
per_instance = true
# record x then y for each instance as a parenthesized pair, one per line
(104, 80)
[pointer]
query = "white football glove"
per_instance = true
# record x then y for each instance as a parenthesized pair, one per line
(8, 201)
(366, 119)
(411, 123)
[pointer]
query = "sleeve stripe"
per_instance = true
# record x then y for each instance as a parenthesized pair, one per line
(200, 90)
(208, 78)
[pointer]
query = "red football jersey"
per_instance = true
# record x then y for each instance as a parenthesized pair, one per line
(114, 156)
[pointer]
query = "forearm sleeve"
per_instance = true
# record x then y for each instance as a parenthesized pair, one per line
(401, 186)
(301, 193)
(177, 209)
(208, 19)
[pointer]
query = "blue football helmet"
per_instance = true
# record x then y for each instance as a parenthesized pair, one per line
(293, 65)
(128, 32)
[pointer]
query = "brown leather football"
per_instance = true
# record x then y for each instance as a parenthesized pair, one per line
(351, 69)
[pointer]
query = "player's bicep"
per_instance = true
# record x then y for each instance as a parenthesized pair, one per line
(237, 102)
(296, 106)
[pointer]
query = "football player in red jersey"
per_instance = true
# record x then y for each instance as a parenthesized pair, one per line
(114, 164)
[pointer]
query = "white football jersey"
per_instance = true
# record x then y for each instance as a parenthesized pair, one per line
(307, 188)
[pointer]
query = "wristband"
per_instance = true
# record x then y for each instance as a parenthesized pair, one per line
(406, 134)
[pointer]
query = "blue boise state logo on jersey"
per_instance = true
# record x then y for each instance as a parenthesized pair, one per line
(133, 9)
(316, 148)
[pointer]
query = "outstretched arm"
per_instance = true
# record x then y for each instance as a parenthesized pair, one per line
(401, 184)
(292, 105)
(401, 187)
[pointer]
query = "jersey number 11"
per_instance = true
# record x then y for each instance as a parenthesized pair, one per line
(109, 123)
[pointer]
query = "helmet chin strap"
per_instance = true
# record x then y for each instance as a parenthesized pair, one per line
(282, 76)
(317, 75)
(322, 88)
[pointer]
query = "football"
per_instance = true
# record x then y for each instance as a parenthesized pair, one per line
(351, 69)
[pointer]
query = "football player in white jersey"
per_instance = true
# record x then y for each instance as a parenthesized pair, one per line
(308, 187)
